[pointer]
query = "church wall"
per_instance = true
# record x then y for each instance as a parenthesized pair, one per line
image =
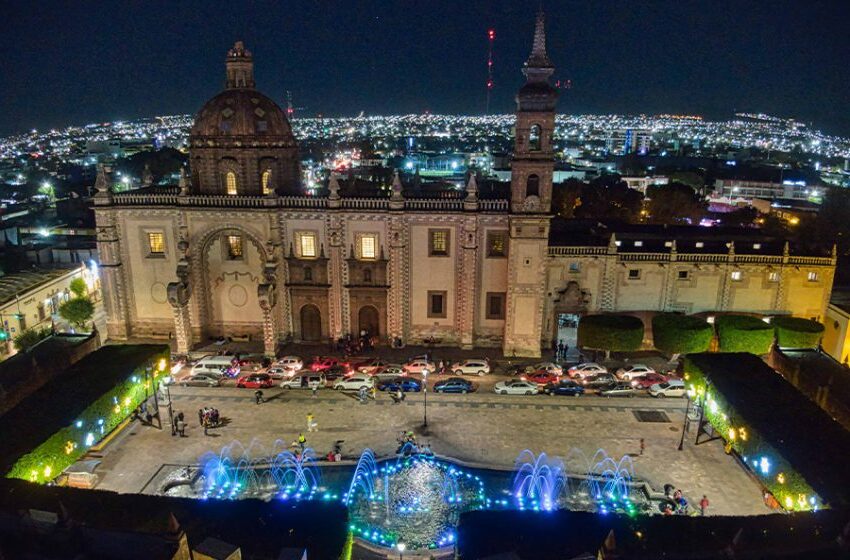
(701, 291)
(493, 274)
(431, 273)
(644, 292)
(804, 297)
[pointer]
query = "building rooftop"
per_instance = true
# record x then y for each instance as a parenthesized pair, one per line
(18, 283)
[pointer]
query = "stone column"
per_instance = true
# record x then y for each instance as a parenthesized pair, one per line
(608, 291)
(179, 293)
(466, 282)
(112, 275)
(267, 296)
(398, 276)
(336, 307)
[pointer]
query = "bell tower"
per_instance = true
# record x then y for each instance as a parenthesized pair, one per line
(531, 200)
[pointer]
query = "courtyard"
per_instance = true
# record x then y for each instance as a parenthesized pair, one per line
(480, 429)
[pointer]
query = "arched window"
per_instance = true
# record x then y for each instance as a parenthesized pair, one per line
(230, 182)
(534, 138)
(532, 186)
(266, 181)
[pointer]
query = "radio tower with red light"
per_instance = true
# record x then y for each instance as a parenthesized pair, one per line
(491, 35)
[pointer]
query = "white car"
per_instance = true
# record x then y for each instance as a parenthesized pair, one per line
(471, 367)
(549, 367)
(201, 380)
(586, 370)
(372, 366)
(293, 363)
(416, 366)
(277, 372)
(355, 383)
(390, 371)
(670, 388)
(636, 370)
(306, 380)
(515, 387)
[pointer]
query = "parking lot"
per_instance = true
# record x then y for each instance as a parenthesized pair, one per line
(483, 428)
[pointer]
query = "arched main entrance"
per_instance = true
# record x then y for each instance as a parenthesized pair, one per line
(311, 323)
(367, 320)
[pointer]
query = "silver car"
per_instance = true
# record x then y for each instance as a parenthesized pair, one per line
(201, 380)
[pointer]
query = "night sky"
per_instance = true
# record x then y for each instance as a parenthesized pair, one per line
(77, 62)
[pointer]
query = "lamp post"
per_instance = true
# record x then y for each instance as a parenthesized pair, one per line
(425, 395)
(401, 548)
(685, 423)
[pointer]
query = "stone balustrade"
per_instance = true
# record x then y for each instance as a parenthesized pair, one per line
(731, 258)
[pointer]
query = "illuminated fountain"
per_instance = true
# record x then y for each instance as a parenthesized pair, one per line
(538, 481)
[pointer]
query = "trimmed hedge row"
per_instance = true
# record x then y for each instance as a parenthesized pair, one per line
(795, 332)
(675, 333)
(65, 447)
(617, 333)
(780, 478)
(743, 333)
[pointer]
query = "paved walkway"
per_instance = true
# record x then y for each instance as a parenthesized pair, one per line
(480, 428)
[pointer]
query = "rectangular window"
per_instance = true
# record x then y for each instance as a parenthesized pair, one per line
(438, 242)
(634, 274)
(437, 305)
(234, 247)
(638, 243)
(308, 274)
(736, 275)
(307, 245)
(813, 276)
(683, 275)
(497, 244)
(369, 246)
(495, 305)
(156, 244)
(575, 267)
(699, 245)
(773, 277)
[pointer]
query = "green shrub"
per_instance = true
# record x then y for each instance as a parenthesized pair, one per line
(77, 311)
(795, 332)
(743, 333)
(28, 338)
(674, 333)
(613, 333)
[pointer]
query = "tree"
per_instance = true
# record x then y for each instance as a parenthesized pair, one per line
(744, 333)
(77, 311)
(28, 338)
(78, 287)
(617, 333)
(609, 198)
(796, 332)
(689, 178)
(676, 334)
(565, 198)
(739, 218)
(674, 203)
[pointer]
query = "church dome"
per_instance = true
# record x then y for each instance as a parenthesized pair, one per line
(241, 112)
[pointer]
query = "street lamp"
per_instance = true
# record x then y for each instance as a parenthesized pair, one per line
(401, 548)
(685, 423)
(425, 395)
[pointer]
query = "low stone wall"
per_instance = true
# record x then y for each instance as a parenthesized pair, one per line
(26, 372)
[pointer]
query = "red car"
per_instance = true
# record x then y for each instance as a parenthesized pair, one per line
(321, 364)
(542, 377)
(255, 381)
(648, 380)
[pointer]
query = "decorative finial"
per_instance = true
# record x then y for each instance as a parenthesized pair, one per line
(538, 57)
(333, 187)
(183, 182)
(397, 187)
(471, 200)
(240, 67)
(103, 182)
(147, 176)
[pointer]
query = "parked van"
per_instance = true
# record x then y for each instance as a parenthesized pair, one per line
(306, 380)
(217, 365)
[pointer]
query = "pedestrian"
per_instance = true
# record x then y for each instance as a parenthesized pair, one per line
(566, 351)
(200, 416)
(258, 396)
(642, 446)
(399, 395)
(703, 505)
(311, 425)
(441, 367)
(302, 442)
(314, 387)
(181, 427)
(362, 394)
(373, 392)
(561, 349)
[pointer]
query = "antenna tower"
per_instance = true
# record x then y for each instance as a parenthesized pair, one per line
(491, 35)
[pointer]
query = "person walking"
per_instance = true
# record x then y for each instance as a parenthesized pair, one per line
(181, 427)
(312, 426)
(258, 396)
(373, 392)
(362, 394)
(314, 387)
(642, 446)
(302, 442)
(703, 505)
(561, 350)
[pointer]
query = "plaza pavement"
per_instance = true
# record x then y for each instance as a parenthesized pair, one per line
(481, 428)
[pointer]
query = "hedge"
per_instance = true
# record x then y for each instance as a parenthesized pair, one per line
(675, 333)
(65, 447)
(786, 484)
(795, 332)
(616, 333)
(743, 333)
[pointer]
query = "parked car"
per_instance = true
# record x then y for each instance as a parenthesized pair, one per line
(669, 388)
(321, 364)
(586, 369)
(389, 372)
(373, 365)
(355, 382)
(278, 373)
(201, 380)
(406, 384)
(337, 371)
(634, 371)
(600, 381)
(549, 367)
(515, 387)
(564, 387)
(454, 385)
(471, 367)
(621, 389)
(306, 380)
(416, 366)
(541, 378)
(293, 363)
(520, 369)
(214, 364)
(255, 381)
(648, 380)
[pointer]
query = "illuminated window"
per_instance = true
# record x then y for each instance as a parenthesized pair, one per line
(156, 244)
(699, 245)
(438, 242)
(230, 182)
(307, 245)
(497, 245)
(813, 277)
(736, 275)
(369, 246)
(266, 181)
(773, 277)
(534, 138)
(234, 247)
